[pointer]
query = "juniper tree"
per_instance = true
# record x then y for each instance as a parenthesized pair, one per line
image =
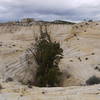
(48, 55)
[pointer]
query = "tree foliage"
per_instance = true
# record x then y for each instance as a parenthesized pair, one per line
(48, 55)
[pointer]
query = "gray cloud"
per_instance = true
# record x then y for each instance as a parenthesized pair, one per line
(49, 9)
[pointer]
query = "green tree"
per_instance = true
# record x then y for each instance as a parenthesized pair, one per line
(48, 55)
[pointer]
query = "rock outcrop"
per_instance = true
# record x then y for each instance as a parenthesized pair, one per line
(16, 59)
(80, 43)
(82, 52)
(81, 61)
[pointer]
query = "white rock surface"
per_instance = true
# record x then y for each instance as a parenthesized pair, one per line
(80, 43)
(15, 91)
(16, 60)
(81, 60)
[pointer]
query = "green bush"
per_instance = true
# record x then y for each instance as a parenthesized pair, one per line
(93, 80)
(48, 55)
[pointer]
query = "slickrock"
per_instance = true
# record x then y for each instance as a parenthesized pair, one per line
(16, 59)
(80, 44)
(15, 91)
(81, 60)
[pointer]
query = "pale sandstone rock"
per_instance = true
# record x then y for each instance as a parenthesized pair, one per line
(14, 53)
(81, 55)
(80, 43)
(15, 91)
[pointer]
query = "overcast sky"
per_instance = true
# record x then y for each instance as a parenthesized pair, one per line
(73, 10)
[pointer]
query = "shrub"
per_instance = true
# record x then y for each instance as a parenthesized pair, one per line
(9, 79)
(93, 80)
(90, 20)
(48, 55)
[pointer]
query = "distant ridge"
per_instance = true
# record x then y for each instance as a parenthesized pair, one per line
(31, 21)
(62, 22)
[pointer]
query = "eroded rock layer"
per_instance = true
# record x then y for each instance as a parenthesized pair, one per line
(80, 43)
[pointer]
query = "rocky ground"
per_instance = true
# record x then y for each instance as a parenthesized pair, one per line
(15, 91)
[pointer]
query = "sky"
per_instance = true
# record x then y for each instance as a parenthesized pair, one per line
(71, 10)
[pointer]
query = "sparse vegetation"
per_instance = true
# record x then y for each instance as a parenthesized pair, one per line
(86, 58)
(48, 55)
(93, 80)
(97, 68)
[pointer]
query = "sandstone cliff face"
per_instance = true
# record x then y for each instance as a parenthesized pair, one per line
(80, 43)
